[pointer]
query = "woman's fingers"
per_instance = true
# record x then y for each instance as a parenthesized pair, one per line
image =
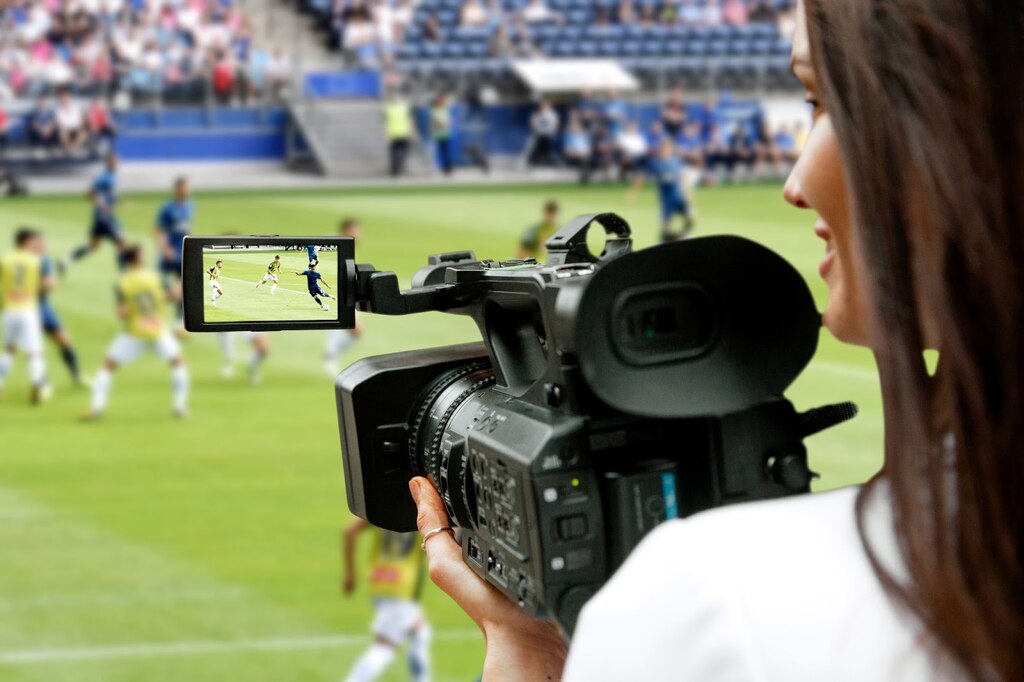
(431, 515)
(444, 555)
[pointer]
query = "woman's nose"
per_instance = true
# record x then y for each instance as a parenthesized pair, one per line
(793, 192)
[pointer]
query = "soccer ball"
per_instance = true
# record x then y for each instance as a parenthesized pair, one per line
(326, 307)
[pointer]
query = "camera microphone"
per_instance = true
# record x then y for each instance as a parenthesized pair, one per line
(824, 417)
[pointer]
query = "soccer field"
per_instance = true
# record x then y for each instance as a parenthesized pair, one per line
(244, 301)
(143, 548)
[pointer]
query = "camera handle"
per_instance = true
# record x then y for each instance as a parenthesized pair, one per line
(569, 244)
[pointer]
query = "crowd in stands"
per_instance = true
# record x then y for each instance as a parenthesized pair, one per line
(598, 136)
(373, 33)
(182, 51)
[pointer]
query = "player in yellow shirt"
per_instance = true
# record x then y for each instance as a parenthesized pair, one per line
(141, 303)
(214, 273)
(21, 283)
(397, 568)
(271, 274)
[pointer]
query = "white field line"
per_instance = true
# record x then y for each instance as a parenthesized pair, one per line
(199, 647)
(253, 285)
(845, 370)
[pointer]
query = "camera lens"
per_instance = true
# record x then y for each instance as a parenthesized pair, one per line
(445, 459)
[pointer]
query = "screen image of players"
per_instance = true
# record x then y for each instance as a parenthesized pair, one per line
(395, 575)
(214, 274)
(22, 282)
(313, 281)
(311, 253)
(273, 269)
(141, 303)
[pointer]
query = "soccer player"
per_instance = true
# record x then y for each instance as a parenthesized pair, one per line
(21, 284)
(52, 325)
(532, 243)
(270, 275)
(395, 580)
(667, 171)
(313, 279)
(105, 225)
(340, 340)
(173, 224)
(260, 344)
(140, 305)
(311, 251)
(215, 291)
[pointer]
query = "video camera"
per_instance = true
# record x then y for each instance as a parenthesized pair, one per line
(610, 392)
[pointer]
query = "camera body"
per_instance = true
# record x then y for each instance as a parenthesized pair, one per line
(610, 393)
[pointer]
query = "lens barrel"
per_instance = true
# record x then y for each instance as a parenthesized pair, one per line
(429, 453)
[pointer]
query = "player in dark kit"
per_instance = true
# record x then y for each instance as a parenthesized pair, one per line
(666, 170)
(311, 251)
(105, 225)
(52, 325)
(173, 224)
(313, 279)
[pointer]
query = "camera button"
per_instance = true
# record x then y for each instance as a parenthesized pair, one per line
(572, 527)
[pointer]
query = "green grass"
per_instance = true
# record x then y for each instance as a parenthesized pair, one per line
(243, 301)
(140, 530)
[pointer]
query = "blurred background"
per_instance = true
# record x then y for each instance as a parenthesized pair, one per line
(143, 546)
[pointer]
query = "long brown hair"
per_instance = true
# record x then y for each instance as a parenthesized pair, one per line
(927, 102)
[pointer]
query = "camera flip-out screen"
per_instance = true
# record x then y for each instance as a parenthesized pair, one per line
(268, 283)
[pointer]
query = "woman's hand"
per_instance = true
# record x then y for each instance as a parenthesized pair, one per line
(518, 647)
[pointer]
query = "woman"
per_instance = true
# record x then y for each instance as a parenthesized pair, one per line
(914, 169)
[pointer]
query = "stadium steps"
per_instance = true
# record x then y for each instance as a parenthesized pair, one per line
(347, 138)
(276, 23)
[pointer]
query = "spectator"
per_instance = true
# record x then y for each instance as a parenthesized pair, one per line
(223, 78)
(734, 13)
(712, 15)
(627, 12)
(632, 149)
(718, 157)
(441, 132)
(655, 134)
(691, 145)
(763, 11)
(42, 126)
(71, 124)
(474, 14)
(537, 11)
(785, 143)
(691, 14)
(361, 40)
(544, 126)
(673, 114)
(742, 148)
(4, 127)
(615, 112)
(100, 122)
(278, 73)
(577, 148)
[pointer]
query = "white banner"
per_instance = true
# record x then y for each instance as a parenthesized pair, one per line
(547, 76)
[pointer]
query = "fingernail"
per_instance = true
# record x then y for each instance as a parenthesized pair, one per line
(414, 489)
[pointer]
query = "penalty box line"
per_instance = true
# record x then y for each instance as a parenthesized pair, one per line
(199, 647)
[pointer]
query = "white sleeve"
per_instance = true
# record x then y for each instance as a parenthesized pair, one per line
(668, 613)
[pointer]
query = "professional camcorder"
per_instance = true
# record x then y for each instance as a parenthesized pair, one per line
(610, 392)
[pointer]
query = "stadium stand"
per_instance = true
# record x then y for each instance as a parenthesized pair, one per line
(737, 44)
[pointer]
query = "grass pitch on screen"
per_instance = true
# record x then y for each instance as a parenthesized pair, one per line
(141, 548)
(243, 301)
